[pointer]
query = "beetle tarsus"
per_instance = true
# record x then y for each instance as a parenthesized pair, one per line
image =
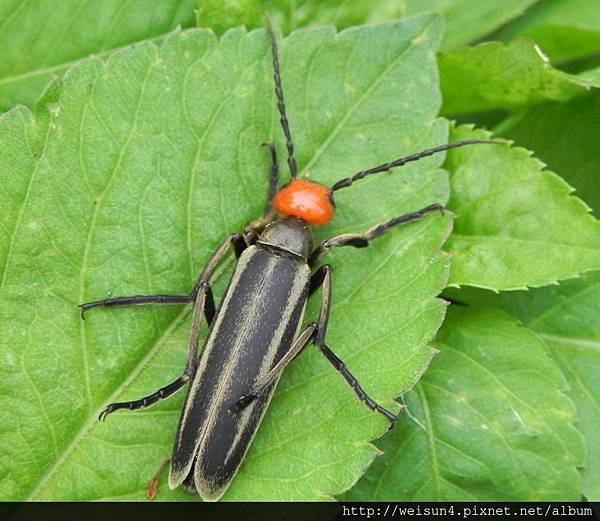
(136, 300)
(393, 421)
(105, 412)
(392, 418)
(323, 278)
(242, 403)
(362, 240)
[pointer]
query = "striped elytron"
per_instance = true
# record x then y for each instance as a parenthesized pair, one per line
(254, 333)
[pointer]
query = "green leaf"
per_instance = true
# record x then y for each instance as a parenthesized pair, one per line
(127, 178)
(498, 76)
(516, 224)
(469, 20)
(566, 318)
(40, 40)
(565, 29)
(289, 15)
(488, 422)
(590, 75)
(466, 20)
(565, 137)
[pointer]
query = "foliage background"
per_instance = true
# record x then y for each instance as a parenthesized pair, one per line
(104, 187)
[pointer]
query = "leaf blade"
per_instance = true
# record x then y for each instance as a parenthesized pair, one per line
(497, 76)
(157, 161)
(565, 317)
(466, 20)
(565, 30)
(469, 20)
(44, 39)
(563, 136)
(517, 226)
(481, 426)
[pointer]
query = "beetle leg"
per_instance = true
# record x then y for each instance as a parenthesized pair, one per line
(190, 367)
(317, 333)
(203, 303)
(163, 393)
(135, 300)
(239, 245)
(361, 240)
(263, 384)
(323, 278)
(274, 178)
(334, 360)
(255, 228)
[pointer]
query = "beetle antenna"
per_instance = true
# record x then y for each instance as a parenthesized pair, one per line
(280, 101)
(344, 183)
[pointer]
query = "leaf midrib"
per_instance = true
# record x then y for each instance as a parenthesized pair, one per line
(579, 342)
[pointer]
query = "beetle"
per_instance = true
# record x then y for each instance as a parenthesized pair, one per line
(254, 333)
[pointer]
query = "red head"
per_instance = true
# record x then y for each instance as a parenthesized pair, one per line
(310, 201)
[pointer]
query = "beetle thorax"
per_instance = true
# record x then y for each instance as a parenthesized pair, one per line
(291, 234)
